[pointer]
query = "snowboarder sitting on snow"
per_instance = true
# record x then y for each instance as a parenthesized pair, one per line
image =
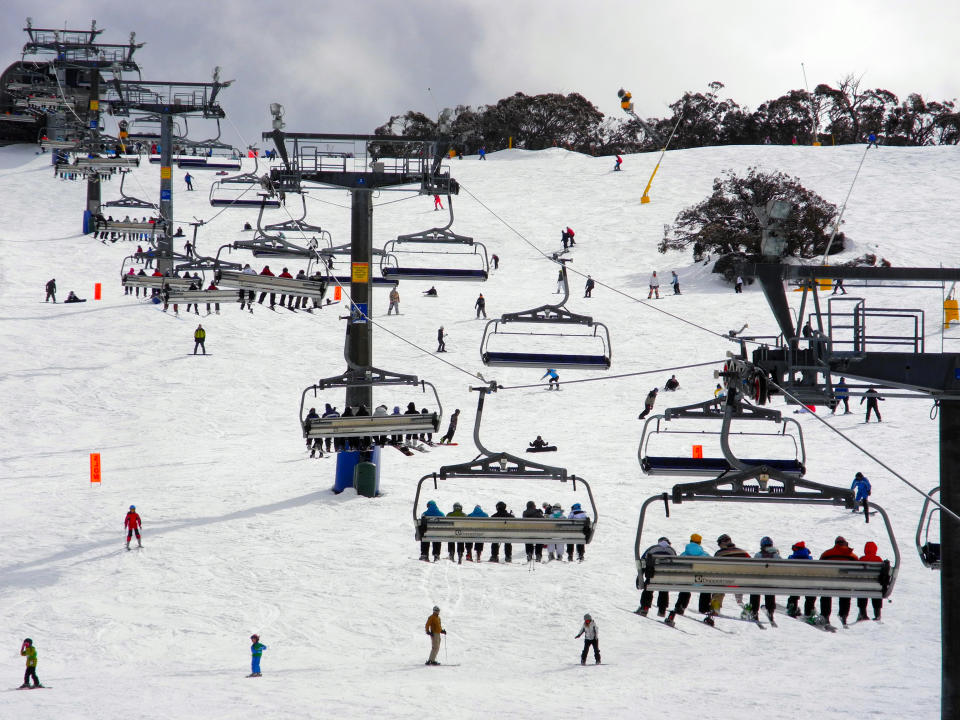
(72, 298)
(256, 652)
(28, 651)
(539, 443)
(862, 486)
(434, 629)
(672, 384)
(132, 524)
(432, 292)
(589, 632)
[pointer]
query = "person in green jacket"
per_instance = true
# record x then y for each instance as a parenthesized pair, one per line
(256, 652)
(456, 512)
(30, 652)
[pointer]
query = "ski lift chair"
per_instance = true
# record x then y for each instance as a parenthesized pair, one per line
(509, 468)
(929, 551)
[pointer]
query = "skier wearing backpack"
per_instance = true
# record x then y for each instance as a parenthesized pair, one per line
(767, 552)
(662, 547)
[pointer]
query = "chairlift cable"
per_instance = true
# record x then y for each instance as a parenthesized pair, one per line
(615, 377)
(870, 455)
(598, 282)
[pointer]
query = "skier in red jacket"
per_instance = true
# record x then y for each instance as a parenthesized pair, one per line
(840, 551)
(132, 524)
(273, 296)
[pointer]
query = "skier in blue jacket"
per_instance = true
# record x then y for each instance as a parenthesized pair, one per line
(431, 511)
(554, 382)
(862, 486)
(477, 513)
(692, 549)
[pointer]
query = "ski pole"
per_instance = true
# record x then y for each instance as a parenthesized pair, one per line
(446, 657)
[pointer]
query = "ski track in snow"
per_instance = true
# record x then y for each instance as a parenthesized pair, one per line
(242, 535)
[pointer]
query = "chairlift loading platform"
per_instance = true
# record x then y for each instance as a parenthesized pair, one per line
(373, 426)
(713, 466)
(762, 576)
(929, 551)
(551, 320)
(508, 467)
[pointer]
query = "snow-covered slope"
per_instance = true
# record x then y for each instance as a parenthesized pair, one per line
(242, 534)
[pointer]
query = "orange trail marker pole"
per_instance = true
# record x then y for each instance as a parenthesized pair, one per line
(337, 293)
(698, 451)
(95, 468)
(97, 291)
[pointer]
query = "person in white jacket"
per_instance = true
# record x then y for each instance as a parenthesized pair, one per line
(654, 286)
(590, 637)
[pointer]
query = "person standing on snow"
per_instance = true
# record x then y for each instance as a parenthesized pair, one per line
(738, 286)
(554, 382)
(434, 629)
(862, 486)
(199, 338)
(619, 162)
(648, 403)
(675, 281)
(451, 428)
(51, 288)
(871, 397)
(256, 652)
(132, 524)
(481, 306)
(188, 179)
(441, 345)
(841, 394)
(560, 282)
(394, 301)
(437, 203)
(654, 286)
(590, 637)
(588, 289)
(28, 651)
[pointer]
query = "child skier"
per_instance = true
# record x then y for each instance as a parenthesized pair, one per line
(132, 524)
(256, 652)
(30, 652)
(554, 382)
(589, 632)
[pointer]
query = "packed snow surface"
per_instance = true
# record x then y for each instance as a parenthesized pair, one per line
(242, 533)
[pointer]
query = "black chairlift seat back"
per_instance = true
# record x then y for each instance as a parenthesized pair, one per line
(313, 289)
(190, 162)
(929, 551)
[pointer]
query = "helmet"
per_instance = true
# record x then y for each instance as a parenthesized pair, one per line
(27, 641)
(575, 506)
(133, 507)
(254, 637)
(457, 506)
(664, 539)
(723, 539)
(766, 542)
(587, 617)
(436, 608)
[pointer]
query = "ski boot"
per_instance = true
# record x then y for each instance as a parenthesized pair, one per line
(861, 616)
(708, 619)
(643, 611)
(671, 619)
(139, 544)
(450, 556)
(460, 559)
(661, 612)
(469, 556)
(425, 558)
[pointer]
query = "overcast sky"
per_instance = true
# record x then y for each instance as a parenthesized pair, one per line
(348, 66)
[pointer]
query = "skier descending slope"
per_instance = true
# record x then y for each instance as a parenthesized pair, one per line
(132, 524)
(590, 637)
(434, 629)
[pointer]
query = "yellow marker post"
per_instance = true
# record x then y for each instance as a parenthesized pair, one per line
(95, 468)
